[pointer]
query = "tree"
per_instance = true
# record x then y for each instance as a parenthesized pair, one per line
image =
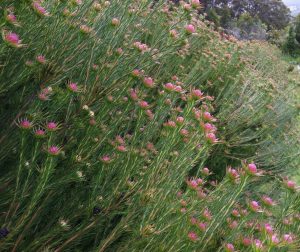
(297, 28)
(290, 45)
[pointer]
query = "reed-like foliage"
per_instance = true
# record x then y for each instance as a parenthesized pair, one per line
(109, 109)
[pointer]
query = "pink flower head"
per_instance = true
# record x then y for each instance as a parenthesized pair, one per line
(193, 221)
(121, 148)
(195, 3)
(148, 82)
(206, 171)
(133, 95)
(169, 86)
(120, 140)
(207, 215)
(251, 169)
(291, 185)
(73, 87)
(178, 89)
(143, 104)
(53, 150)
(257, 244)
(170, 124)
(105, 159)
(192, 236)
(232, 173)
(52, 126)
(184, 132)
(43, 97)
(41, 59)
(288, 238)
(202, 226)
(233, 224)
(211, 137)
(274, 239)
(174, 33)
(187, 6)
(207, 116)
(179, 120)
(246, 241)
(267, 201)
(149, 114)
(190, 29)
(25, 124)
(268, 228)
(254, 206)
(235, 213)
(11, 18)
(201, 194)
(193, 184)
(39, 9)
(197, 94)
(229, 247)
(12, 39)
(115, 21)
(208, 127)
(135, 73)
(39, 133)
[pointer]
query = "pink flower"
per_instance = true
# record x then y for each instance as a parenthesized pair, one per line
(105, 159)
(195, 3)
(179, 119)
(170, 124)
(267, 201)
(207, 215)
(25, 124)
(192, 236)
(11, 18)
(235, 213)
(208, 117)
(246, 241)
(135, 72)
(39, 9)
(121, 148)
(143, 104)
(202, 226)
(251, 169)
(258, 244)
(73, 87)
(288, 238)
(211, 137)
(52, 126)
(133, 95)
(148, 82)
(229, 247)
(12, 39)
(197, 94)
(41, 59)
(268, 228)
(119, 51)
(187, 7)
(39, 133)
(169, 87)
(174, 33)
(275, 239)
(190, 29)
(193, 184)
(233, 225)
(254, 206)
(115, 21)
(53, 150)
(184, 132)
(233, 174)
(206, 171)
(291, 185)
(193, 221)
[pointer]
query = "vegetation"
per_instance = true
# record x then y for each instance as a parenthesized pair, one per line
(131, 125)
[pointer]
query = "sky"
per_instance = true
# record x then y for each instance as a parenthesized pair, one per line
(294, 5)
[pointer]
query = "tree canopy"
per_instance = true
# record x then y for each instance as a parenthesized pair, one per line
(274, 13)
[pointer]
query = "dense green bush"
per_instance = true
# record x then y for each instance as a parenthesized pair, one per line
(108, 108)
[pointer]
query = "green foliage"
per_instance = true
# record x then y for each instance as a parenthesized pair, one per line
(110, 108)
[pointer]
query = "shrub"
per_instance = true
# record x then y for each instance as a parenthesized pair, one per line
(108, 107)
